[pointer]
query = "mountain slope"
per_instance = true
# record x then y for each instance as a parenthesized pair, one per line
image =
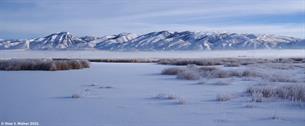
(163, 40)
(62, 40)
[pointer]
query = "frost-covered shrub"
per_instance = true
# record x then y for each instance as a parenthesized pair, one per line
(218, 73)
(294, 92)
(172, 71)
(70, 64)
(224, 74)
(188, 75)
(193, 72)
(42, 64)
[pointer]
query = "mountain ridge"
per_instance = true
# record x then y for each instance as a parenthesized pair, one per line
(161, 40)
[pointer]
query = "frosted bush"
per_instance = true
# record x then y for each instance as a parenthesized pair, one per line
(188, 75)
(225, 74)
(293, 92)
(172, 71)
(193, 72)
(42, 64)
(218, 73)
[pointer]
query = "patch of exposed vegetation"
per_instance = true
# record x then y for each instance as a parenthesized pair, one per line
(42, 64)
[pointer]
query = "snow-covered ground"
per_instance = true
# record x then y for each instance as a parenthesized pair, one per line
(45, 97)
(4, 54)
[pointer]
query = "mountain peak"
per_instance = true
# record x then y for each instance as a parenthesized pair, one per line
(159, 40)
(63, 33)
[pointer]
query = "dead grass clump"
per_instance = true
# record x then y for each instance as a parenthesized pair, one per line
(193, 72)
(224, 74)
(293, 92)
(42, 64)
(230, 73)
(70, 64)
(265, 91)
(188, 75)
(172, 71)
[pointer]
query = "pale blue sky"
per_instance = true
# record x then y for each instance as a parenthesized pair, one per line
(35, 18)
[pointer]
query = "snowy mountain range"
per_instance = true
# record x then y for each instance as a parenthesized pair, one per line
(162, 40)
